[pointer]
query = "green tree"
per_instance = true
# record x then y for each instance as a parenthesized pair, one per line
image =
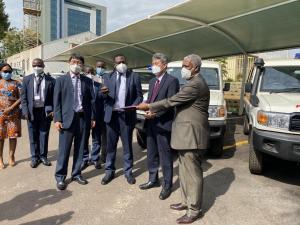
(223, 62)
(4, 23)
(12, 43)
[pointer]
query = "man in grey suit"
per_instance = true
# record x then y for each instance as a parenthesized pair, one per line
(190, 135)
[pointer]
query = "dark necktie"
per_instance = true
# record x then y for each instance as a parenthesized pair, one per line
(155, 91)
(38, 83)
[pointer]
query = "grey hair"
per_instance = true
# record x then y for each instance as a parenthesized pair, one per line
(160, 56)
(195, 59)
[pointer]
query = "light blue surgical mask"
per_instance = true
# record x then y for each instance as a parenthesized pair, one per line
(100, 71)
(6, 76)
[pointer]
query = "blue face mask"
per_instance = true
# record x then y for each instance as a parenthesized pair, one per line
(6, 76)
(100, 71)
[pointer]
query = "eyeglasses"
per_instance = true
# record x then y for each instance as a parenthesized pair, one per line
(7, 71)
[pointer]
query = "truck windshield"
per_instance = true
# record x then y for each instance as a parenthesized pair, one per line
(210, 75)
(281, 79)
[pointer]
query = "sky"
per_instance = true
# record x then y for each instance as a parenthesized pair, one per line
(119, 12)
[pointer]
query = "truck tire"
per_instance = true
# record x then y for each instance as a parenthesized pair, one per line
(141, 139)
(246, 126)
(256, 158)
(216, 147)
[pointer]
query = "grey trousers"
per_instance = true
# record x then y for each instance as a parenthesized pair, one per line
(191, 180)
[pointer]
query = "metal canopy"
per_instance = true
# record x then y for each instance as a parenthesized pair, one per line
(208, 28)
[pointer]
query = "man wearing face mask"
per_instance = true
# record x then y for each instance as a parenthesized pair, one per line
(158, 127)
(124, 90)
(190, 135)
(101, 75)
(74, 114)
(37, 109)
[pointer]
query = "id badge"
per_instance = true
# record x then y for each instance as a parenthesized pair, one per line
(37, 98)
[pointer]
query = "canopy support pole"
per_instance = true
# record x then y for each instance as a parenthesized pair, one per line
(245, 66)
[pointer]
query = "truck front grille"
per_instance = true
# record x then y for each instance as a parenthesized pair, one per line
(295, 122)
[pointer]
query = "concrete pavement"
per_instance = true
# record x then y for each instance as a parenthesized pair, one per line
(232, 196)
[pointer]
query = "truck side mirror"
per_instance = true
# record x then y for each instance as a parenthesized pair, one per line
(226, 87)
(248, 88)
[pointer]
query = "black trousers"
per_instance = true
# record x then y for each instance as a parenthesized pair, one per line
(75, 133)
(38, 131)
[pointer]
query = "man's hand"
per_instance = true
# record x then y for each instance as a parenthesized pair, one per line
(93, 124)
(150, 115)
(143, 106)
(58, 126)
(50, 115)
(26, 117)
(104, 90)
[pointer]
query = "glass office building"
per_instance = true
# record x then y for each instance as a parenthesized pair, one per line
(63, 18)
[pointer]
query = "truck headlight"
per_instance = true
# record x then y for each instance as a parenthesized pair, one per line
(274, 120)
(216, 111)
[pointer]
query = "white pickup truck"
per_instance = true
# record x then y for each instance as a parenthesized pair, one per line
(272, 111)
(211, 72)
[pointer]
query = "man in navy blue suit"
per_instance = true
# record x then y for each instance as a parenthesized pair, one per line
(37, 108)
(125, 90)
(159, 127)
(94, 157)
(74, 114)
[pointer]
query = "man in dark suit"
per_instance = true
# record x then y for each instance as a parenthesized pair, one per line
(37, 108)
(94, 157)
(74, 111)
(159, 126)
(124, 90)
(190, 135)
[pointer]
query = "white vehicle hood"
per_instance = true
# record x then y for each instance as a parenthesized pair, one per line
(280, 102)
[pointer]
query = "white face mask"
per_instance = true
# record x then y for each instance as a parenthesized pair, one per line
(121, 68)
(186, 74)
(156, 70)
(75, 68)
(38, 70)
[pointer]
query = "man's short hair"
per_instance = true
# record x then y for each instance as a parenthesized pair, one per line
(160, 56)
(119, 55)
(76, 56)
(38, 59)
(195, 59)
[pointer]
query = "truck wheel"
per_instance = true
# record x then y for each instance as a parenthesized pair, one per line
(216, 147)
(255, 158)
(246, 127)
(141, 139)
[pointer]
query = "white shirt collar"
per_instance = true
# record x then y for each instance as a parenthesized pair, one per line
(161, 77)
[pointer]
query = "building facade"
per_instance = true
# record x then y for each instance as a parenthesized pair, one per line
(63, 18)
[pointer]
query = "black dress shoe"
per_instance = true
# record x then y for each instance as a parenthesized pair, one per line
(61, 185)
(165, 193)
(131, 180)
(188, 219)
(34, 163)
(149, 185)
(97, 164)
(80, 180)
(84, 165)
(45, 162)
(178, 207)
(106, 179)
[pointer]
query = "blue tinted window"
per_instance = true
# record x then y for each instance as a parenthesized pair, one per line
(53, 22)
(98, 22)
(78, 22)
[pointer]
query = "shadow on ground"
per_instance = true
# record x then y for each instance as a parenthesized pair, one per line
(30, 201)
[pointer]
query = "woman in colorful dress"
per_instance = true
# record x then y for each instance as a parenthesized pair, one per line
(10, 120)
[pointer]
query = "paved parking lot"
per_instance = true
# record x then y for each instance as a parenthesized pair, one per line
(232, 196)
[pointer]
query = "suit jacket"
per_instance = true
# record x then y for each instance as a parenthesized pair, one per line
(168, 87)
(27, 95)
(134, 95)
(99, 102)
(64, 100)
(190, 129)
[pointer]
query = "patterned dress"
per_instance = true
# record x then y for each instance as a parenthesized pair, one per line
(10, 125)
